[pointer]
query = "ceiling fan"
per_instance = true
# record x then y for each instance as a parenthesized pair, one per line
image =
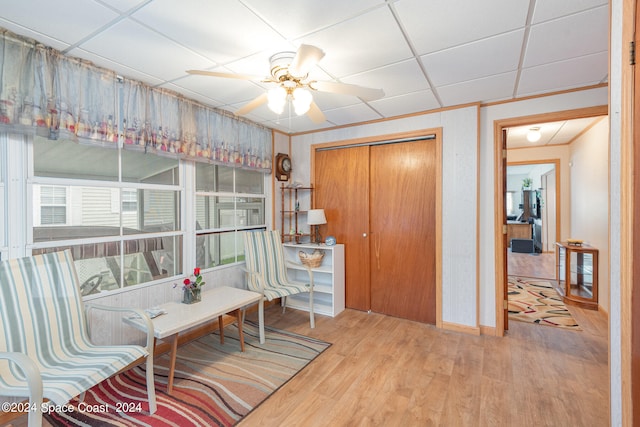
(290, 73)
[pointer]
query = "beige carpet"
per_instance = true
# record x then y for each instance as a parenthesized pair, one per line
(536, 301)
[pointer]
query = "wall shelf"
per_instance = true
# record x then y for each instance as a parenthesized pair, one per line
(291, 219)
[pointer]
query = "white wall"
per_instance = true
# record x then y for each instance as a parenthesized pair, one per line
(459, 158)
(590, 198)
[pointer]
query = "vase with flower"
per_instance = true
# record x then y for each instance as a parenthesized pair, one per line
(192, 288)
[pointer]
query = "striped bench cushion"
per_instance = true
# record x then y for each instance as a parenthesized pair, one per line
(42, 316)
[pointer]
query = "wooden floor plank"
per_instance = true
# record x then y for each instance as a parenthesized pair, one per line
(398, 372)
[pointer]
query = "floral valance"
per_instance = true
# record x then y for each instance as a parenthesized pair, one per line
(58, 97)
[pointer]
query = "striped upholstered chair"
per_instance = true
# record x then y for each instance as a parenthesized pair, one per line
(45, 351)
(267, 272)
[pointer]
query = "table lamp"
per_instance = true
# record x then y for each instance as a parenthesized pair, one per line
(315, 217)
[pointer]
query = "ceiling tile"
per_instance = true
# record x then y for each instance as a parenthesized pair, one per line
(25, 32)
(329, 101)
(568, 37)
(583, 71)
(353, 114)
(124, 5)
(494, 55)
(551, 9)
(354, 46)
(299, 18)
(67, 21)
(120, 69)
(386, 78)
(208, 27)
(406, 104)
(295, 124)
(440, 24)
(226, 91)
(486, 89)
(196, 96)
(147, 51)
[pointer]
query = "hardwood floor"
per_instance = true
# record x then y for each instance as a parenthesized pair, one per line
(387, 371)
(540, 266)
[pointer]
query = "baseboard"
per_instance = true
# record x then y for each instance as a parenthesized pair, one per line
(471, 330)
(488, 330)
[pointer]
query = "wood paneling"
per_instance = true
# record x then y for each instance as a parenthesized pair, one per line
(403, 210)
(342, 190)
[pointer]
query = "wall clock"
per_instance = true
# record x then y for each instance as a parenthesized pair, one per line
(283, 167)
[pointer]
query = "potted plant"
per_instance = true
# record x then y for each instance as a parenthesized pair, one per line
(526, 183)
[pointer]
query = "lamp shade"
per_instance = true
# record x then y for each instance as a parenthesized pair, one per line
(277, 97)
(316, 217)
(301, 100)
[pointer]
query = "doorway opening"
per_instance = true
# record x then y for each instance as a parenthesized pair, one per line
(532, 202)
(521, 152)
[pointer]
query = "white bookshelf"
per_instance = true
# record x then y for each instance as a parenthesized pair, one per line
(328, 278)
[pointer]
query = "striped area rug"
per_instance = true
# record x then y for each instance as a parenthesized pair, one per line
(536, 301)
(214, 385)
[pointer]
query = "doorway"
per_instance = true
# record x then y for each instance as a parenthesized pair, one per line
(533, 216)
(500, 156)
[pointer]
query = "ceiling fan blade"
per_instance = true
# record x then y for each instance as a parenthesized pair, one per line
(315, 114)
(366, 93)
(252, 105)
(306, 58)
(226, 75)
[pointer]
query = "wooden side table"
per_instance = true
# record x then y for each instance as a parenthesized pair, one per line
(577, 274)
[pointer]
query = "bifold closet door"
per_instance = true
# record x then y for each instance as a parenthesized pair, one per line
(342, 190)
(403, 179)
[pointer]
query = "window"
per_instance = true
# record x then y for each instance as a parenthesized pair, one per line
(53, 205)
(228, 201)
(122, 231)
(129, 200)
(509, 202)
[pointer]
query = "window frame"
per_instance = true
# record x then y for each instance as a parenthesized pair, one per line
(179, 235)
(235, 228)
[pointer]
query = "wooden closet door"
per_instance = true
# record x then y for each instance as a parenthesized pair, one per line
(342, 190)
(403, 229)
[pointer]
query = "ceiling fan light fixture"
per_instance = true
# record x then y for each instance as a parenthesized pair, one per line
(534, 134)
(301, 100)
(277, 98)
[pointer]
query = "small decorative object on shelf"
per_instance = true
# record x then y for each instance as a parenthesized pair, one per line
(330, 241)
(575, 242)
(312, 260)
(192, 289)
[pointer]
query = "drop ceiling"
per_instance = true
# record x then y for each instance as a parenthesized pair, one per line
(424, 54)
(551, 133)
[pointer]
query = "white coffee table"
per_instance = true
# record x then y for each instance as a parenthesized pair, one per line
(180, 317)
